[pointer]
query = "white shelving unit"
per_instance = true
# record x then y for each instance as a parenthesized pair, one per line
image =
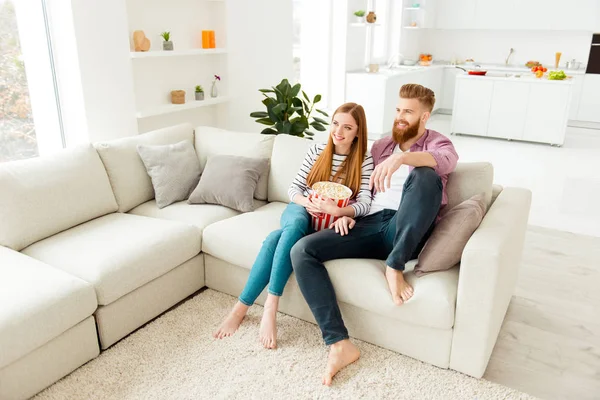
(171, 108)
(177, 53)
(184, 67)
(413, 8)
(363, 24)
(412, 27)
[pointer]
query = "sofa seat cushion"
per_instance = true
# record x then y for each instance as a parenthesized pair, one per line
(360, 283)
(243, 233)
(118, 253)
(197, 215)
(37, 304)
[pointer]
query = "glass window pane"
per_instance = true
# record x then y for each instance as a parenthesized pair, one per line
(17, 130)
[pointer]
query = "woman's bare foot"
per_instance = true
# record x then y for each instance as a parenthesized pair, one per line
(341, 354)
(232, 322)
(268, 324)
(401, 290)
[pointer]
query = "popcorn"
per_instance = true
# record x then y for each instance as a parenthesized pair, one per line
(340, 193)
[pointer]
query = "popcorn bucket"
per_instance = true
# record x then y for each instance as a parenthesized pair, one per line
(339, 193)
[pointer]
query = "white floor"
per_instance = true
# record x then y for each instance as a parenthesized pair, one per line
(565, 181)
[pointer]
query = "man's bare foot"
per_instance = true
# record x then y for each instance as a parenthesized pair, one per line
(401, 290)
(341, 354)
(268, 324)
(232, 322)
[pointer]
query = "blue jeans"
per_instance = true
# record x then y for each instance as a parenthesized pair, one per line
(396, 236)
(273, 265)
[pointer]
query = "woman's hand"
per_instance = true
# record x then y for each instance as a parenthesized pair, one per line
(327, 206)
(343, 225)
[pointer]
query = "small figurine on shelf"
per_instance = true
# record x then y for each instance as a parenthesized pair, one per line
(360, 16)
(213, 90)
(167, 44)
(199, 93)
(140, 41)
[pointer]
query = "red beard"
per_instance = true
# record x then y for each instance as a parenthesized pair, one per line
(402, 136)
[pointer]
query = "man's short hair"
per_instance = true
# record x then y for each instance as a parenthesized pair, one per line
(415, 91)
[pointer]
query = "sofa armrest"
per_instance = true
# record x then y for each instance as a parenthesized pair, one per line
(487, 279)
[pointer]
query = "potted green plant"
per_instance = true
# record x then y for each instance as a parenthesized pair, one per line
(199, 93)
(360, 16)
(289, 114)
(167, 44)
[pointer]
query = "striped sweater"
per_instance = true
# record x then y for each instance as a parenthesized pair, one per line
(362, 202)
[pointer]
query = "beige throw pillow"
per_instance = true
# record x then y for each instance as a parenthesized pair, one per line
(173, 168)
(444, 247)
(230, 181)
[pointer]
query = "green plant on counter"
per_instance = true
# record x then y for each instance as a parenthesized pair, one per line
(199, 89)
(289, 114)
(360, 13)
(166, 36)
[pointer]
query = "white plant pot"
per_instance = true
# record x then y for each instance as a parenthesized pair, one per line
(359, 20)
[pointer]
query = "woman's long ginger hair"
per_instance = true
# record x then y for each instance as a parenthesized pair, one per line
(350, 172)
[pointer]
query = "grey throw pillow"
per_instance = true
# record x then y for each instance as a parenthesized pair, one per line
(444, 247)
(174, 170)
(229, 181)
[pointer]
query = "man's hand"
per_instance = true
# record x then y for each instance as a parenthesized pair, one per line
(382, 175)
(343, 225)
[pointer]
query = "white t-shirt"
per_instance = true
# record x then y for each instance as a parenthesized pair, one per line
(391, 197)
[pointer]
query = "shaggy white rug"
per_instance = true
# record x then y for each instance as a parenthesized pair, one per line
(175, 357)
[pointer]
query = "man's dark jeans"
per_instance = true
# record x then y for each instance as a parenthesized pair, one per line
(394, 236)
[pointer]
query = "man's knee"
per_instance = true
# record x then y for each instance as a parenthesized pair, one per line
(424, 176)
(299, 253)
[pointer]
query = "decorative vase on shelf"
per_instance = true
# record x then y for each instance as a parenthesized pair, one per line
(214, 91)
(371, 17)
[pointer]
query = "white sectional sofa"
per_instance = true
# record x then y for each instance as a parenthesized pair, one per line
(86, 257)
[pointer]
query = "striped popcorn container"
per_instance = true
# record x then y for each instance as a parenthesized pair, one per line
(339, 193)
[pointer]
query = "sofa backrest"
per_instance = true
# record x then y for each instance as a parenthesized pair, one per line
(212, 141)
(288, 154)
(128, 176)
(467, 180)
(46, 195)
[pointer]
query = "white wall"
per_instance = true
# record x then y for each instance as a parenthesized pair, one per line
(260, 36)
(100, 29)
(492, 46)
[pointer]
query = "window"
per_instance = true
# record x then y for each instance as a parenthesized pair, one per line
(29, 115)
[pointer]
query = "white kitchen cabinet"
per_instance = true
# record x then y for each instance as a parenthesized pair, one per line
(508, 111)
(546, 114)
(512, 108)
(456, 14)
(574, 15)
(589, 104)
(576, 96)
(471, 108)
(446, 98)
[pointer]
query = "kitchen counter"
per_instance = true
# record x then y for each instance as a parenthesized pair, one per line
(512, 78)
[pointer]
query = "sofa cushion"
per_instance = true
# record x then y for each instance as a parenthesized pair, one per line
(38, 303)
(288, 154)
(173, 168)
(118, 253)
(218, 238)
(445, 246)
(357, 282)
(197, 215)
(212, 141)
(43, 196)
(468, 180)
(128, 177)
(230, 181)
